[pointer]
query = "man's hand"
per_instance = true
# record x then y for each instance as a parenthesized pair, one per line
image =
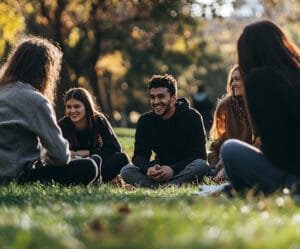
(166, 173)
(154, 171)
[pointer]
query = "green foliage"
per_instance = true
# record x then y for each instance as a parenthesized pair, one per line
(12, 24)
(113, 47)
(135, 39)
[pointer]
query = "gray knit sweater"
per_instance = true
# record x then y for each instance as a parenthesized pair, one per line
(27, 122)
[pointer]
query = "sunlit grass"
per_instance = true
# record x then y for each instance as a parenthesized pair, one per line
(38, 216)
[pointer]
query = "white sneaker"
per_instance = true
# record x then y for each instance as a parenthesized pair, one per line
(207, 190)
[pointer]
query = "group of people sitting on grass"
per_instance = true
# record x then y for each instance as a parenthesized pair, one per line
(254, 140)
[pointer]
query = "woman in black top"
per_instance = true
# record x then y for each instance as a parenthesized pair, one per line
(89, 132)
(270, 69)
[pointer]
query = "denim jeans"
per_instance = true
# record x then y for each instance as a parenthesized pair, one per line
(247, 167)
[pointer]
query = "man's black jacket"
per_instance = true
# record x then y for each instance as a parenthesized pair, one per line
(176, 141)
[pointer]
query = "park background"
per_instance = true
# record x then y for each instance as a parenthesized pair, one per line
(113, 47)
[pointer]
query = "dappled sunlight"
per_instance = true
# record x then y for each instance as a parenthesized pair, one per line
(113, 63)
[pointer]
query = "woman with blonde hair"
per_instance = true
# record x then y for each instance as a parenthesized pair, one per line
(230, 121)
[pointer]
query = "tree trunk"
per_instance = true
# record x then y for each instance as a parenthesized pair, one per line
(62, 87)
(99, 91)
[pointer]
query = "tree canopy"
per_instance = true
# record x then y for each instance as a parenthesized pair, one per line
(113, 47)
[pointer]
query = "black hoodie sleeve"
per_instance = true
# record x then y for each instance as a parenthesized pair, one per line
(195, 148)
(65, 125)
(142, 149)
(111, 143)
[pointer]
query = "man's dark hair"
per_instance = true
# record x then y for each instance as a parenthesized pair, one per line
(167, 81)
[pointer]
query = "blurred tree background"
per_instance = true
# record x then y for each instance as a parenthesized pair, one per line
(113, 47)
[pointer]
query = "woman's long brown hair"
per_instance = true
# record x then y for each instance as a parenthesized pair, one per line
(91, 114)
(263, 44)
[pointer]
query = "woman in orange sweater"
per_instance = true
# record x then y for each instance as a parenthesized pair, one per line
(230, 121)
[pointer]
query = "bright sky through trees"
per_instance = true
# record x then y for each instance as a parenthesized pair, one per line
(224, 10)
(247, 8)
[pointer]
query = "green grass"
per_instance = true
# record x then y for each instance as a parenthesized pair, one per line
(37, 216)
(126, 137)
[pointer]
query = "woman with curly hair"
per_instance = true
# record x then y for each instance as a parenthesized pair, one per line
(32, 147)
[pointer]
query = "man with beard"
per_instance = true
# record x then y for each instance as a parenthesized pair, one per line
(175, 133)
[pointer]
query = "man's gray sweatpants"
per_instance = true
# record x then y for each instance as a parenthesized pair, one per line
(193, 172)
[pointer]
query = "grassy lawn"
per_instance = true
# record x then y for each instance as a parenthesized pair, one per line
(37, 216)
